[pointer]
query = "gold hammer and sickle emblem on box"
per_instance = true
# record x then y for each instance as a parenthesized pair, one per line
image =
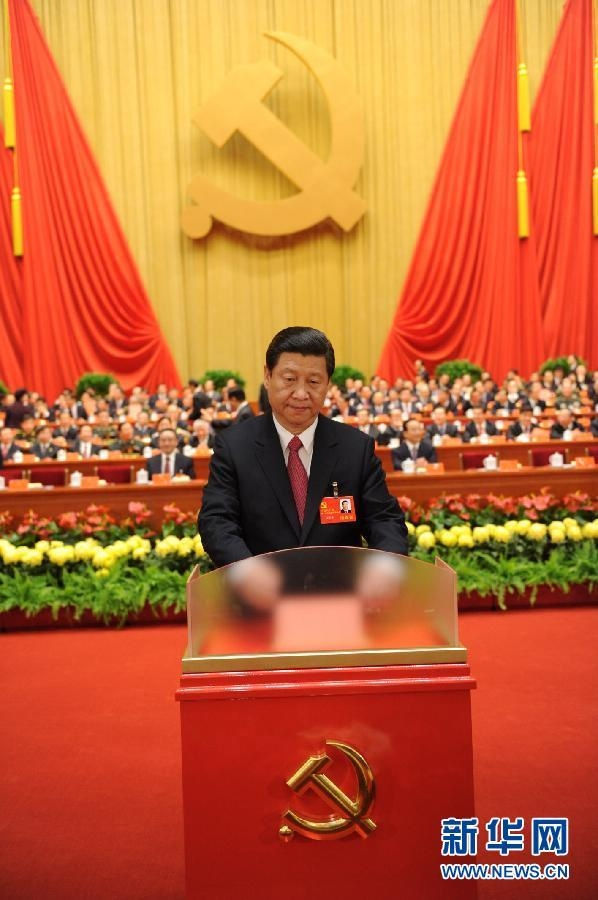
(351, 815)
(325, 187)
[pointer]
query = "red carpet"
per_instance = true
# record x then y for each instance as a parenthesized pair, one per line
(90, 792)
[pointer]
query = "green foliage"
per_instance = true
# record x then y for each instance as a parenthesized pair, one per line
(220, 377)
(560, 362)
(3, 389)
(99, 382)
(341, 373)
(500, 570)
(456, 368)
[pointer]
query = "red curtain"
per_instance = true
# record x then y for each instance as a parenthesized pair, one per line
(472, 288)
(83, 304)
(11, 282)
(561, 163)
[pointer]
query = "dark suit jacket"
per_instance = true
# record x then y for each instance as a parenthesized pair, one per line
(76, 448)
(449, 429)
(47, 452)
(4, 457)
(248, 506)
(243, 415)
(557, 431)
(471, 430)
(426, 449)
(182, 465)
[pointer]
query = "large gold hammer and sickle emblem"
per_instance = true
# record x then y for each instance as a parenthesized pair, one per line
(325, 187)
(354, 814)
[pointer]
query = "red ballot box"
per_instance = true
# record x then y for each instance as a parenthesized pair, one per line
(326, 728)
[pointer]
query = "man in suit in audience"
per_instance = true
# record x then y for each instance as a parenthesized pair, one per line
(564, 426)
(239, 406)
(169, 461)
(478, 426)
(391, 433)
(86, 445)
(440, 425)
(414, 446)
(8, 448)
(202, 436)
(65, 429)
(267, 479)
(364, 423)
(523, 428)
(43, 448)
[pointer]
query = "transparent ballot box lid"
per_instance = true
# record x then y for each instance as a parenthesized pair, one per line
(322, 607)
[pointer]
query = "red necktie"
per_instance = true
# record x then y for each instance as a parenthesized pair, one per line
(297, 477)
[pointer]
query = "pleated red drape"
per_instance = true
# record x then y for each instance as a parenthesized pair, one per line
(561, 163)
(472, 288)
(83, 305)
(11, 282)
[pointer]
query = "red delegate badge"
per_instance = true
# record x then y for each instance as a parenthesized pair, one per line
(337, 509)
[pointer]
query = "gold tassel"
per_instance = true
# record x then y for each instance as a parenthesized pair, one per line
(596, 90)
(522, 205)
(523, 104)
(595, 200)
(17, 222)
(9, 113)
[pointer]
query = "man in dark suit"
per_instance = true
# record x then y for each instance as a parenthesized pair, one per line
(8, 448)
(564, 426)
(239, 406)
(268, 478)
(87, 445)
(478, 426)
(364, 423)
(169, 461)
(43, 448)
(523, 427)
(413, 446)
(440, 425)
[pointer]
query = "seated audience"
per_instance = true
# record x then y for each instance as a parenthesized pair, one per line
(19, 410)
(440, 425)
(523, 428)
(126, 441)
(169, 461)
(564, 426)
(8, 448)
(414, 446)
(478, 426)
(87, 444)
(364, 423)
(202, 436)
(43, 448)
(389, 435)
(239, 406)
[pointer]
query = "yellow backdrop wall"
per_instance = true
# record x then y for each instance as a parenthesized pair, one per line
(137, 71)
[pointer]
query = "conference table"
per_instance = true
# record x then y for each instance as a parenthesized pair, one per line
(187, 495)
(448, 454)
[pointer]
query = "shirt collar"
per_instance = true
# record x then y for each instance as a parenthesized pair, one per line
(306, 437)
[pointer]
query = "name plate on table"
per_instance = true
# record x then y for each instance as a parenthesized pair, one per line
(90, 481)
(161, 478)
(584, 462)
(17, 484)
(509, 465)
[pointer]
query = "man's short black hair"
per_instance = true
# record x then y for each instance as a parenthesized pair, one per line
(300, 339)
(20, 394)
(236, 394)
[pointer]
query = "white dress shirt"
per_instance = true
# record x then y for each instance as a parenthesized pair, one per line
(307, 439)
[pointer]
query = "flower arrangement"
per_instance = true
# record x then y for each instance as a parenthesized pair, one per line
(90, 562)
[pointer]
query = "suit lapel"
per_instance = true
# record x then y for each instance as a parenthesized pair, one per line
(270, 457)
(322, 463)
